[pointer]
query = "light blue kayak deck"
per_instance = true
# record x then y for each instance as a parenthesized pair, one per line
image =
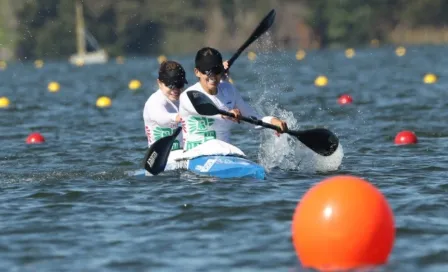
(221, 167)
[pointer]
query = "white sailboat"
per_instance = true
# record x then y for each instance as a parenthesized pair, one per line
(82, 57)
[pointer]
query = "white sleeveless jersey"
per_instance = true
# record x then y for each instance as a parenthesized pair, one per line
(198, 129)
(159, 115)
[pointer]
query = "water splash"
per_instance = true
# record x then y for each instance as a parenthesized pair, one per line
(284, 152)
(288, 153)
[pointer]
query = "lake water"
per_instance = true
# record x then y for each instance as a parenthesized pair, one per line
(71, 205)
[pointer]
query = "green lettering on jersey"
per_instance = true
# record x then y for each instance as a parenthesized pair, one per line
(160, 132)
(176, 145)
(192, 144)
(209, 135)
(198, 124)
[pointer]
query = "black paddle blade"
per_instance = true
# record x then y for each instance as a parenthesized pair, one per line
(264, 25)
(320, 140)
(202, 104)
(267, 22)
(157, 155)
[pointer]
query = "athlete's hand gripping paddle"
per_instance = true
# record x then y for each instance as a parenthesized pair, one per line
(320, 140)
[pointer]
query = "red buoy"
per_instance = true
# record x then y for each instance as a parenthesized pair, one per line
(35, 138)
(406, 137)
(345, 99)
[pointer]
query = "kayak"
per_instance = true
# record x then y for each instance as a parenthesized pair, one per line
(213, 158)
(217, 166)
(216, 158)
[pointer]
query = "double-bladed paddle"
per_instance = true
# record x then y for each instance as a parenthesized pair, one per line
(157, 155)
(320, 140)
(264, 25)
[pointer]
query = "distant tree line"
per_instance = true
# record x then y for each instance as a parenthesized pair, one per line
(46, 28)
(353, 22)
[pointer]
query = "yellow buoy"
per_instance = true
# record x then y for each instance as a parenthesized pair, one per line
(321, 81)
(375, 43)
(161, 59)
(103, 102)
(4, 102)
(251, 55)
(120, 60)
(135, 84)
(300, 55)
(38, 63)
(3, 65)
(430, 78)
(350, 53)
(400, 51)
(53, 86)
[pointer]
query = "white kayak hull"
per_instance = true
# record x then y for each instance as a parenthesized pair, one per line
(213, 158)
(217, 166)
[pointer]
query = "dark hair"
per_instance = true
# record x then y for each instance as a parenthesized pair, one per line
(208, 58)
(171, 73)
(168, 66)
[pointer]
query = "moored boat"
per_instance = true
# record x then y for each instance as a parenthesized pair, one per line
(83, 36)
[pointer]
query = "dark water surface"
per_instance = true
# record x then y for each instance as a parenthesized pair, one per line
(70, 204)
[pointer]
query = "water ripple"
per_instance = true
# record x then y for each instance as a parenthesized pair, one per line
(70, 204)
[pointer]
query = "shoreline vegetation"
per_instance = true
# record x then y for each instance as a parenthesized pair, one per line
(45, 29)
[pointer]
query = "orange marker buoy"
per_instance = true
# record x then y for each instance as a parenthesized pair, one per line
(345, 99)
(35, 138)
(343, 223)
(405, 137)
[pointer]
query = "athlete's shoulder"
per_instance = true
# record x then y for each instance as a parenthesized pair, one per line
(154, 95)
(227, 89)
(157, 97)
(150, 102)
(224, 85)
(196, 87)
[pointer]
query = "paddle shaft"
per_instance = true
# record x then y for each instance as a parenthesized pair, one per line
(238, 53)
(320, 140)
(251, 120)
(264, 25)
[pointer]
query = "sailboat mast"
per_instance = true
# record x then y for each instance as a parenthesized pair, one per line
(80, 34)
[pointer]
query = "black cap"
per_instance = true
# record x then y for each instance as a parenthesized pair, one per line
(172, 74)
(209, 60)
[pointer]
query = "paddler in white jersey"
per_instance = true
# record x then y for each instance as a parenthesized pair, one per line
(160, 113)
(161, 109)
(198, 129)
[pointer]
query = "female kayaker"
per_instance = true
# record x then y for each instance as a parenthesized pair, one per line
(160, 113)
(198, 129)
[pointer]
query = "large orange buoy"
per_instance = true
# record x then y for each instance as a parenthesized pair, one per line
(342, 223)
